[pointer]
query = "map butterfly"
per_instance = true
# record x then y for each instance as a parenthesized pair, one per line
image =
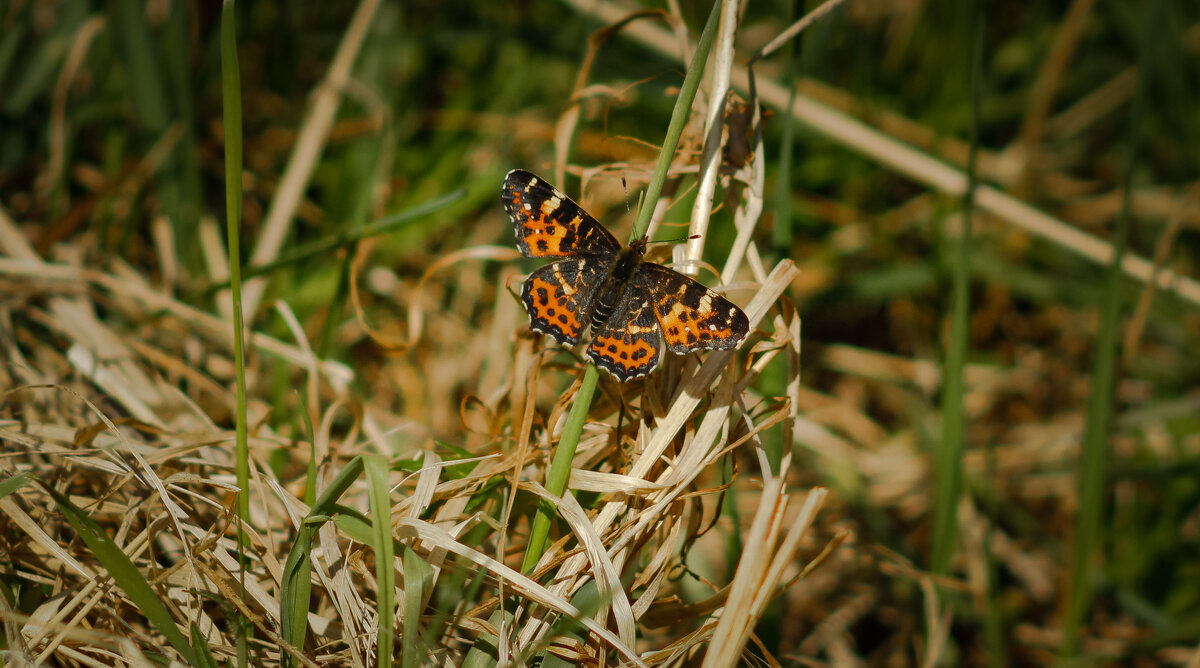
(631, 308)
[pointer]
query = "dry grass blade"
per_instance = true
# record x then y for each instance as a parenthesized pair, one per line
(760, 570)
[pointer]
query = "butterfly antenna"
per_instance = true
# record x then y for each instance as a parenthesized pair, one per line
(675, 241)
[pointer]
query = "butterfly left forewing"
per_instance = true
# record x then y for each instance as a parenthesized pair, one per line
(549, 224)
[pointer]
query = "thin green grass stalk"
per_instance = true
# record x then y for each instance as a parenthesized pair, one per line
(1093, 456)
(186, 153)
(310, 472)
(10, 45)
(151, 103)
(127, 576)
(775, 378)
(376, 468)
(145, 82)
(486, 649)
(295, 586)
(993, 619)
(560, 467)
(346, 238)
(14, 483)
(418, 577)
(204, 655)
(231, 96)
(949, 471)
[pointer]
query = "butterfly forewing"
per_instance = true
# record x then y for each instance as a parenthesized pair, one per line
(549, 224)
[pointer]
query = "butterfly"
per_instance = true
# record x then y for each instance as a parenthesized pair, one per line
(631, 308)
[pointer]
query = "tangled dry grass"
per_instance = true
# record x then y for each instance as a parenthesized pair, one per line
(117, 388)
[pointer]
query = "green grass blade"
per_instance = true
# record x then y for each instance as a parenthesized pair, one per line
(335, 242)
(376, 469)
(231, 96)
(14, 483)
(145, 81)
(231, 99)
(10, 43)
(204, 655)
(188, 209)
(560, 468)
(295, 589)
(949, 456)
(295, 586)
(127, 576)
(679, 118)
(486, 650)
(418, 578)
(1093, 457)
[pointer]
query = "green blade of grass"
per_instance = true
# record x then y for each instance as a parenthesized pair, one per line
(231, 101)
(295, 585)
(376, 469)
(560, 467)
(14, 483)
(418, 577)
(231, 97)
(121, 569)
(949, 456)
(344, 239)
(187, 154)
(204, 655)
(146, 87)
(1093, 456)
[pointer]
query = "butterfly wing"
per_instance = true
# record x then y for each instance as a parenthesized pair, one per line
(549, 224)
(559, 296)
(692, 317)
(629, 344)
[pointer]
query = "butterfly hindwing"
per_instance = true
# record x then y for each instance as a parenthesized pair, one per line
(629, 344)
(558, 297)
(550, 224)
